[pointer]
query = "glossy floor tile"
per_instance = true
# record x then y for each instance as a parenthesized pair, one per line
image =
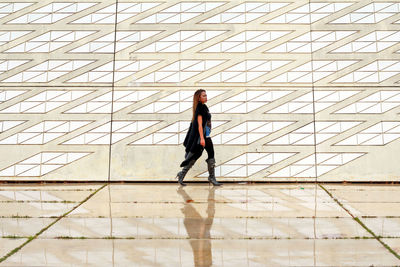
(230, 202)
(22, 227)
(218, 228)
(41, 201)
(8, 244)
(384, 226)
(34, 209)
(222, 210)
(43, 196)
(249, 193)
(393, 243)
(374, 209)
(361, 193)
(377, 206)
(51, 252)
(45, 187)
(199, 225)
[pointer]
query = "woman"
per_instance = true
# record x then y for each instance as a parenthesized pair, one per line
(198, 138)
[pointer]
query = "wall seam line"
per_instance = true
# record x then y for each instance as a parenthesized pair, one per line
(112, 91)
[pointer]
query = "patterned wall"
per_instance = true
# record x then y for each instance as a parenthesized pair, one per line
(101, 89)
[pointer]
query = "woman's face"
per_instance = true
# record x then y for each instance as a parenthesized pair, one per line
(203, 97)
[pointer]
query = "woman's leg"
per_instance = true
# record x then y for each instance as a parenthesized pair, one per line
(211, 162)
(187, 164)
(209, 148)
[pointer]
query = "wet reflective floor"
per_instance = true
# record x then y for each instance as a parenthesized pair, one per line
(200, 225)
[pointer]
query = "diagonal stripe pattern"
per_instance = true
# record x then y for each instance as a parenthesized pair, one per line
(298, 90)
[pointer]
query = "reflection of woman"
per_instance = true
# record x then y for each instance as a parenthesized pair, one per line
(198, 138)
(198, 228)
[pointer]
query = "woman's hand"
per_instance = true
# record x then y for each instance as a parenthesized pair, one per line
(200, 122)
(202, 142)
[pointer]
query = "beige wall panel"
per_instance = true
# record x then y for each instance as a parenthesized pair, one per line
(378, 164)
(361, 145)
(42, 134)
(365, 145)
(46, 55)
(297, 89)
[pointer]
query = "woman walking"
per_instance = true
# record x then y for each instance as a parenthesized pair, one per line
(198, 138)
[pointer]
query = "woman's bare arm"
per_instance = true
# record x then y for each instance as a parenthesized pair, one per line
(200, 122)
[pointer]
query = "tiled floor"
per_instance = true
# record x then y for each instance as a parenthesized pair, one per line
(199, 225)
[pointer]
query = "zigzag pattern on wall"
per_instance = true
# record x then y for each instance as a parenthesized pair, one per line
(297, 90)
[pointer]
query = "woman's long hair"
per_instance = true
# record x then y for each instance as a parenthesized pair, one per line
(196, 100)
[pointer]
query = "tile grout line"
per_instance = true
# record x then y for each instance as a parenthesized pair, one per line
(361, 223)
(15, 250)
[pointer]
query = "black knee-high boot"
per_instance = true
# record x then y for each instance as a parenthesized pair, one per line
(211, 171)
(184, 171)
